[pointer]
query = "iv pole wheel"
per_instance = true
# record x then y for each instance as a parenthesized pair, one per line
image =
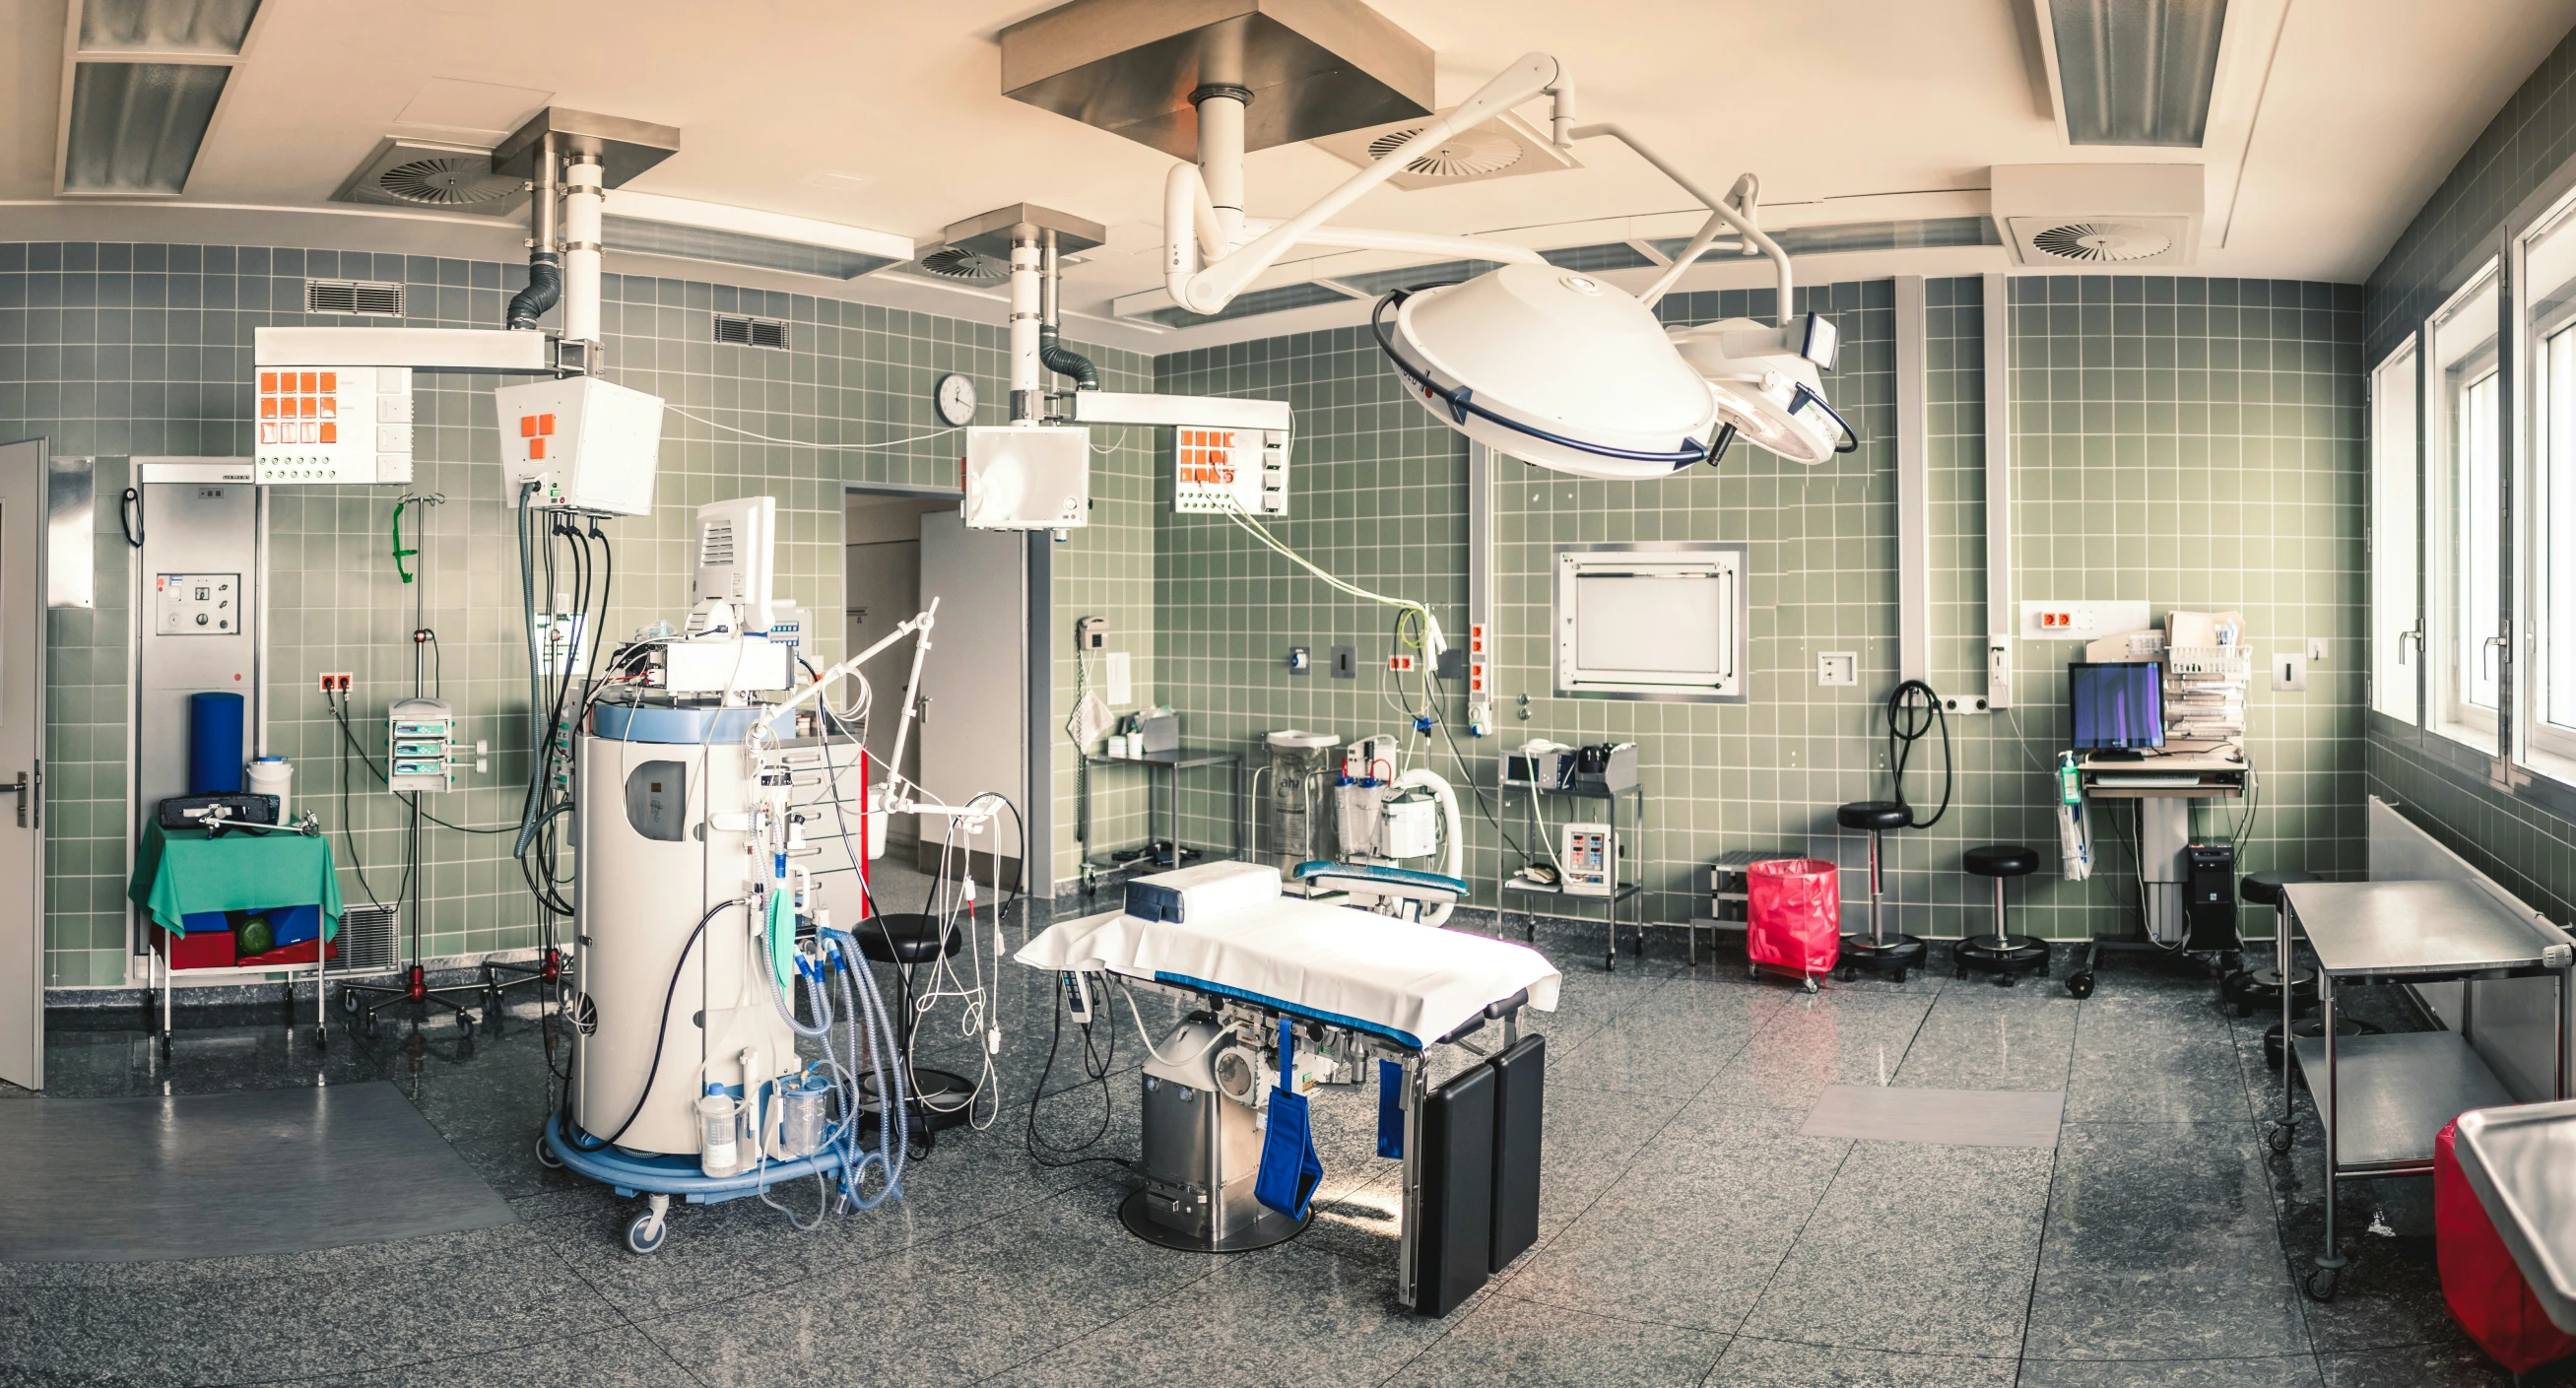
(2079, 985)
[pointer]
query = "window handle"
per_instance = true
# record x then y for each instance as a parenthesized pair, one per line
(2414, 634)
(2487, 663)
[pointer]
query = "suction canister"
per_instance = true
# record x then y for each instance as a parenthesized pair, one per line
(801, 1115)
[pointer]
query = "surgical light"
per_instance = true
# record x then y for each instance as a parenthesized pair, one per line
(1554, 367)
(1766, 384)
(1537, 361)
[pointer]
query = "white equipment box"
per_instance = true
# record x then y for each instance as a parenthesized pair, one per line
(1028, 477)
(589, 445)
(1220, 470)
(1586, 859)
(715, 665)
(333, 424)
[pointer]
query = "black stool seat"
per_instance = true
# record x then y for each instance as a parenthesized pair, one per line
(1877, 816)
(2000, 860)
(904, 937)
(2264, 888)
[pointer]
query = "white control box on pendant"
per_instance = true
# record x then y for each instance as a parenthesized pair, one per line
(588, 445)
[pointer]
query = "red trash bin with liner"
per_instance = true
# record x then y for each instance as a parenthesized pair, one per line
(1796, 912)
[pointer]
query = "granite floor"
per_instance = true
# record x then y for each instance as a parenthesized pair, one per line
(1689, 1233)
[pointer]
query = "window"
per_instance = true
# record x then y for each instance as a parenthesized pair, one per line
(2464, 530)
(2396, 615)
(2546, 595)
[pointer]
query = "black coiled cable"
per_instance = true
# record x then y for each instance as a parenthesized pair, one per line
(1912, 710)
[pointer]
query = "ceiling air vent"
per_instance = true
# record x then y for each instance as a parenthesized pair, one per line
(1503, 147)
(432, 177)
(365, 298)
(2104, 242)
(2099, 214)
(751, 332)
(958, 263)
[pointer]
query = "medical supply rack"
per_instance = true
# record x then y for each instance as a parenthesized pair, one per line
(2383, 1099)
(1726, 882)
(1163, 768)
(1507, 884)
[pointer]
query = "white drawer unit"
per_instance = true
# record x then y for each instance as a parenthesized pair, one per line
(327, 424)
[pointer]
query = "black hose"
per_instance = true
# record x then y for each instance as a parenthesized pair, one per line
(1908, 719)
(659, 1031)
(545, 289)
(1064, 361)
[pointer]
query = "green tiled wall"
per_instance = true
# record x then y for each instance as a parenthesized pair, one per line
(118, 350)
(2192, 443)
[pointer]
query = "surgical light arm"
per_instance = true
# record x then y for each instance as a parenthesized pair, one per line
(1203, 271)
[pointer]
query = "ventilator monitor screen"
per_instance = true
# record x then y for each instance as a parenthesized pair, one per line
(2117, 704)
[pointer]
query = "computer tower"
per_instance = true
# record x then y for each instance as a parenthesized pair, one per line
(2209, 896)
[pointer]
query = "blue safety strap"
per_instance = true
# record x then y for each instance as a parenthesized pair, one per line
(1390, 1110)
(1287, 1053)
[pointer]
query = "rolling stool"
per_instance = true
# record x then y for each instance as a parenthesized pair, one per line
(907, 939)
(2001, 954)
(2248, 989)
(1874, 950)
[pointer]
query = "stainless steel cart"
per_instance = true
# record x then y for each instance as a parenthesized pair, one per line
(2383, 1099)
(1519, 794)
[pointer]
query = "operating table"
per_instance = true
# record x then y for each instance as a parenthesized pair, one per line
(1354, 986)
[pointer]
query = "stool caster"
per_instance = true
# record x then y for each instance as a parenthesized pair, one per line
(2310, 1028)
(2321, 1284)
(2079, 985)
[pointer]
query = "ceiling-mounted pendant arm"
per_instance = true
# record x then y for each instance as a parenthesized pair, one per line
(1428, 243)
(1722, 210)
(1210, 288)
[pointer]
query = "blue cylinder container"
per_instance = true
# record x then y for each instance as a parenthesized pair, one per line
(214, 744)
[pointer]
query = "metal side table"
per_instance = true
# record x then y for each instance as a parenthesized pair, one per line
(2383, 1099)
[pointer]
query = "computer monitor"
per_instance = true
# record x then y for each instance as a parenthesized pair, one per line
(2117, 704)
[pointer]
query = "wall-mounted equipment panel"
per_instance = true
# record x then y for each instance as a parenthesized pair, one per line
(331, 424)
(1652, 621)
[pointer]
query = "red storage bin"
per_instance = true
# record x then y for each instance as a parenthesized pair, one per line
(199, 949)
(1796, 912)
(2485, 1291)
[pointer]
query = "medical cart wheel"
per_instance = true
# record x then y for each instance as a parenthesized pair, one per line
(2321, 1283)
(645, 1234)
(1845, 973)
(2079, 985)
(321, 1036)
(1810, 982)
(546, 1155)
(349, 1002)
(2280, 1138)
(367, 1028)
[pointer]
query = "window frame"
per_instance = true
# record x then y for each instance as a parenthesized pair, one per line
(2443, 614)
(2540, 746)
(2395, 568)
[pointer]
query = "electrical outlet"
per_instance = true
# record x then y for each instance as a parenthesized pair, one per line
(2289, 673)
(1400, 664)
(2081, 621)
(1838, 668)
(1301, 660)
(335, 682)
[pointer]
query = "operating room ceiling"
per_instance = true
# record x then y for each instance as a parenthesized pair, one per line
(2332, 121)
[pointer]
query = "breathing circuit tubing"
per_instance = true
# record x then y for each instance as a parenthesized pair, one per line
(1912, 711)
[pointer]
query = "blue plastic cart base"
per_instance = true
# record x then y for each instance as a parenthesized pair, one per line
(658, 1178)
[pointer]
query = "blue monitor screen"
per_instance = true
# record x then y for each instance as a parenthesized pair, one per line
(2117, 705)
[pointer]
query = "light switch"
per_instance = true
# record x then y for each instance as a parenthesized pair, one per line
(2289, 673)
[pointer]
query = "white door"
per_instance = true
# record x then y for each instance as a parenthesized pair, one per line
(974, 726)
(22, 743)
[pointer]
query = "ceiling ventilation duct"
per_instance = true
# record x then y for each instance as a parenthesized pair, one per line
(436, 177)
(1504, 147)
(961, 265)
(2106, 216)
(2136, 72)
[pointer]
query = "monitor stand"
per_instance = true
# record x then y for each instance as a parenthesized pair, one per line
(2117, 754)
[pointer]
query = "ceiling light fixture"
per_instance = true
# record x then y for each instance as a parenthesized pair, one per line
(143, 83)
(1554, 366)
(2136, 72)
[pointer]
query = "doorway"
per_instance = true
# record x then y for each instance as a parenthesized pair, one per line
(901, 549)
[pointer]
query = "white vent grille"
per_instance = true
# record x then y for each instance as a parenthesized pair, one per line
(1476, 153)
(2101, 242)
(365, 298)
(954, 263)
(751, 332)
(1504, 147)
(715, 544)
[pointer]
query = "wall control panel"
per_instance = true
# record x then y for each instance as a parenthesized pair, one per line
(197, 604)
(1220, 470)
(333, 424)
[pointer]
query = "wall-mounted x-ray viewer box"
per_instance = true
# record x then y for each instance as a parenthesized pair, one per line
(1652, 621)
(71, 501)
